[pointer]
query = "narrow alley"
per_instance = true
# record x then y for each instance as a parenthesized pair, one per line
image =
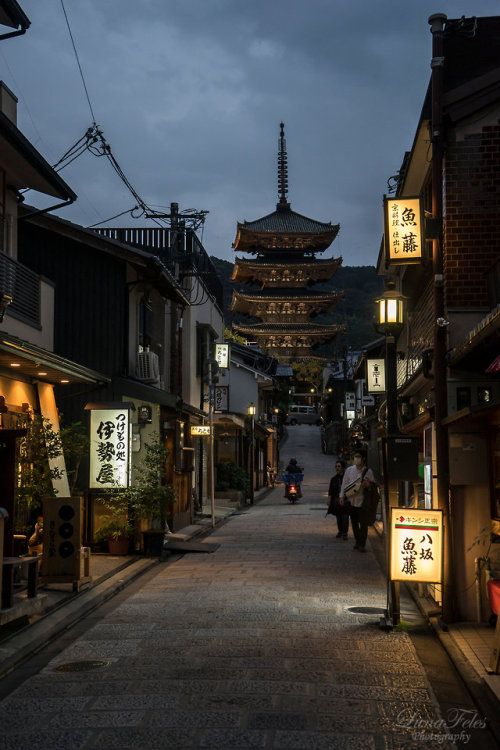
(253, 646)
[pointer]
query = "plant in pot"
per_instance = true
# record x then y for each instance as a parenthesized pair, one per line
(149, 498)
(117, 532)
(153, 499)
(232, 481)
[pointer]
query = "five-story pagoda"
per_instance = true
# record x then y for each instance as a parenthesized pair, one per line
(284, 244)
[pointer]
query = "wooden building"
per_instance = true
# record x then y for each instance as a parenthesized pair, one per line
(285, 267)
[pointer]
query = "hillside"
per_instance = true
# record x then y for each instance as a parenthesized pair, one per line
(360, 284)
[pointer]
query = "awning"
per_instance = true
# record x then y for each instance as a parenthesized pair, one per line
(495, 366)
(26, 167)
(11, 14)
(221, 420)
(482, 416)
(21, 357)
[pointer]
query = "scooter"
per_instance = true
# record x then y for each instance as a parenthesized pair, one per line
(292, 486)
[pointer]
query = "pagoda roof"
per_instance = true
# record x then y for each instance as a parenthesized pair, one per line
(290, 222)
(311, 329)
(246, 269)
(302, 295)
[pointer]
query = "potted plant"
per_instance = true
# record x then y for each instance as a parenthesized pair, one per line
(149, 498)
(232, 482)
(117, 533)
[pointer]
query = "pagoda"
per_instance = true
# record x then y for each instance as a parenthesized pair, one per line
(284, 245)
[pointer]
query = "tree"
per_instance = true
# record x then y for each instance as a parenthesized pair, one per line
(34, 474)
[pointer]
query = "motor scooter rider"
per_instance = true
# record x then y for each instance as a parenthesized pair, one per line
(294, 468)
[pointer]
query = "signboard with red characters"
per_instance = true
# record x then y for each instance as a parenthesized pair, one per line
(416, 545)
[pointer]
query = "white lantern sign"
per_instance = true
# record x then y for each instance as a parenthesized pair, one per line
(110, 447)
(375, 375)
(222, 356)
(416, 545)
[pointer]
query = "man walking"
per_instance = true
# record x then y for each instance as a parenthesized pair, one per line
(356, 478)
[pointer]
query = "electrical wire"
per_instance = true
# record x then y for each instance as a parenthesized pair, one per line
(116, 216)
(78, 62)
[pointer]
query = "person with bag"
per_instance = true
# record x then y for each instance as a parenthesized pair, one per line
(357, 479)
(335, 507)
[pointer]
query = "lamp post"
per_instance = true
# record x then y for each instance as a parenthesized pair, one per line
(251, 414)
(390, 319)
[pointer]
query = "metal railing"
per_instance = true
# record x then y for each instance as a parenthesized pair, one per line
(23, 285)
(180, 251)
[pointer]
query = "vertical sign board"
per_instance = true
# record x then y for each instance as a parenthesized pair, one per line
(375, 375)
(221, 400)
(416, 545)
(350, 400)
(110, 447)
(403, 230)
(222, 356)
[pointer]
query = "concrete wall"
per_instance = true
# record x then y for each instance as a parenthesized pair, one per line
(207, 314)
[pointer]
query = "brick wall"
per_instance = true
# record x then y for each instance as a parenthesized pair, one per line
(472, 216)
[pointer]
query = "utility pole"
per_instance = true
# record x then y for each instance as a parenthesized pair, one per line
(437, 22)
(211, 388)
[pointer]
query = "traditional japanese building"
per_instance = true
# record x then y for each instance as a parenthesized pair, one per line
(285, 267)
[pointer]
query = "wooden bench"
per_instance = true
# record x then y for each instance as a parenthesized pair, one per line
(9, 564)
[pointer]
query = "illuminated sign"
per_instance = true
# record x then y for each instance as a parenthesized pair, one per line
(375, 375)
(110, 447)
(222, 356)
(403, 230)
(416, 545)
(200, 430)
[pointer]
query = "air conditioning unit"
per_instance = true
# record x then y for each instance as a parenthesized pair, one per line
(148, 368)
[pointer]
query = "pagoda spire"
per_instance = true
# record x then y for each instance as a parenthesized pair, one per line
(283, 204)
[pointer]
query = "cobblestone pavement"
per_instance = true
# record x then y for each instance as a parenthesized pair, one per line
(250, 647)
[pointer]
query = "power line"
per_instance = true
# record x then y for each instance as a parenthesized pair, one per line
(116, 216)
(78, 62)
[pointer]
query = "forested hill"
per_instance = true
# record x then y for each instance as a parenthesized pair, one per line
(360, 284)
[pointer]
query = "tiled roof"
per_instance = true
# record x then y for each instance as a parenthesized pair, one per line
(288, 221)
(289, 294)
(296, 263)
(289, 328)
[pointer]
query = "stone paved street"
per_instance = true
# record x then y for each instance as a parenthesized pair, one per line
(250, 647)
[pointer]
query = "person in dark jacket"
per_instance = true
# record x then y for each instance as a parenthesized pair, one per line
(336, 508)
(294, 468)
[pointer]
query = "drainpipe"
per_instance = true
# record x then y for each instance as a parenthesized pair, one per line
(437, 22)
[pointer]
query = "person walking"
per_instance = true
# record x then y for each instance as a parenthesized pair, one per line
(356, 478)
(336, 507)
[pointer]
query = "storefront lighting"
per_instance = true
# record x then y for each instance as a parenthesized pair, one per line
(64, 381)
(41, 373)
(15, 364)
(251, 409)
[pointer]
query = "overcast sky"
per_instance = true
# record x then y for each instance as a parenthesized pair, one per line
(190, 93)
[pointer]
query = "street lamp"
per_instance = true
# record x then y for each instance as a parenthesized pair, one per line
(390, 320)
(251, 414)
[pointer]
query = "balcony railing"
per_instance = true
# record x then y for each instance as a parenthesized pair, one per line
(23, 285)
(180, 250)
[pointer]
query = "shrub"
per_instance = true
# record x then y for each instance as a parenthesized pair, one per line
(231, 477)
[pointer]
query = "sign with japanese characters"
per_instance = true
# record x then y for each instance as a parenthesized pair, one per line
(221, 398)
(200, 430)
(350, 400)
(403, 225)
(375, 375)
(222, 355)
(416, 545)
(109, 448)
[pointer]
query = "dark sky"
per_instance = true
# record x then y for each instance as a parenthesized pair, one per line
(190, 93)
